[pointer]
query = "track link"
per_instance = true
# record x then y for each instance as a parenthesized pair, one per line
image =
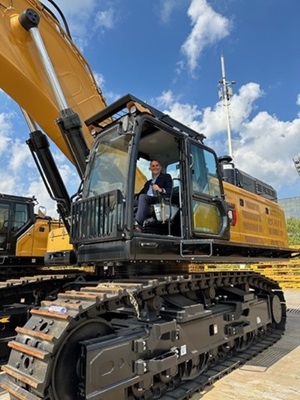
(47, 346)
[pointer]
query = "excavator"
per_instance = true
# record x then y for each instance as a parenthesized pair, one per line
(139, 326)
(23, 233)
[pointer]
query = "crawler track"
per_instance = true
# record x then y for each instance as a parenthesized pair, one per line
(145, 338)
(185, 390)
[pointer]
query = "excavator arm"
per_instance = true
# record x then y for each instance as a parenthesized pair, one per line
(23, 75)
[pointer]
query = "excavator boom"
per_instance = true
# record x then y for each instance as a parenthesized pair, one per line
(23, 76)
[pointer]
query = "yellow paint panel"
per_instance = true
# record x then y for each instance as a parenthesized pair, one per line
(33, 243)
(59, 240)
(259, 220)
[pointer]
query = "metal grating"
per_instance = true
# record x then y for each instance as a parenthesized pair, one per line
(293, 310)
(285, 345)
(97, 217)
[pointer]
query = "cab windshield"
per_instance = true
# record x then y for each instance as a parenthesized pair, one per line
(109, 164)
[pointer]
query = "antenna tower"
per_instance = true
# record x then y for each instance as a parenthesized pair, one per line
(225, 93)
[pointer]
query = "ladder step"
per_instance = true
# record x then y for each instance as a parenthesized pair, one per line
(16, 391)
(17, 375)
(40, 354)
(35, 334)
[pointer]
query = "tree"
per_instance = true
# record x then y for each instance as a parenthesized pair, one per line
(293, 229)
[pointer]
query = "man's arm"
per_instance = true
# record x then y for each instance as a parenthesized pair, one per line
(168, 185)
(164, 184)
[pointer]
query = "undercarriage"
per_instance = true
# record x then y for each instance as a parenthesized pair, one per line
(143, 338)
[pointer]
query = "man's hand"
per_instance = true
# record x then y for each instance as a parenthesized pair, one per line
(157, 188)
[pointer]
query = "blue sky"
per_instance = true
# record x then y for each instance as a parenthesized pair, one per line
(167, 52)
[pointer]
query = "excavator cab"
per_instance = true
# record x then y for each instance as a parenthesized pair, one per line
(180, 227)
(16, 214)
(23, 236)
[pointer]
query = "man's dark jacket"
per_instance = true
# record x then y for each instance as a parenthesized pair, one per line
(164, 181)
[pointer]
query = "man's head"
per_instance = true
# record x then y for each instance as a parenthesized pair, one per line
(155, 167)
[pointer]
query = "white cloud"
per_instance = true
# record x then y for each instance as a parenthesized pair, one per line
(187, 114)
(240, 108)
(37, 188)
(84, 21)
(77, 8)
(13, 155)
(5, 127)
(70, 177)
(79, 16)
(105, 19)
(266, 149)
(108, 94)
(166, 98)
(8, 182)
(67, 171)
(298, 100)
(167, 7)
(19, 157)
(99, 79)
(263, 146)
(208, 27)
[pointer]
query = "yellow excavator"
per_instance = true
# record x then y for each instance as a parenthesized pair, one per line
(139, 326)
(23, 233)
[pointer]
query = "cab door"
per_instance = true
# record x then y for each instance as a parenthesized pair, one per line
(5, 227)
(15, 218)
(208, 211)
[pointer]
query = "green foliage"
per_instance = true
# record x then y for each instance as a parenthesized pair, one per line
(293, 229)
